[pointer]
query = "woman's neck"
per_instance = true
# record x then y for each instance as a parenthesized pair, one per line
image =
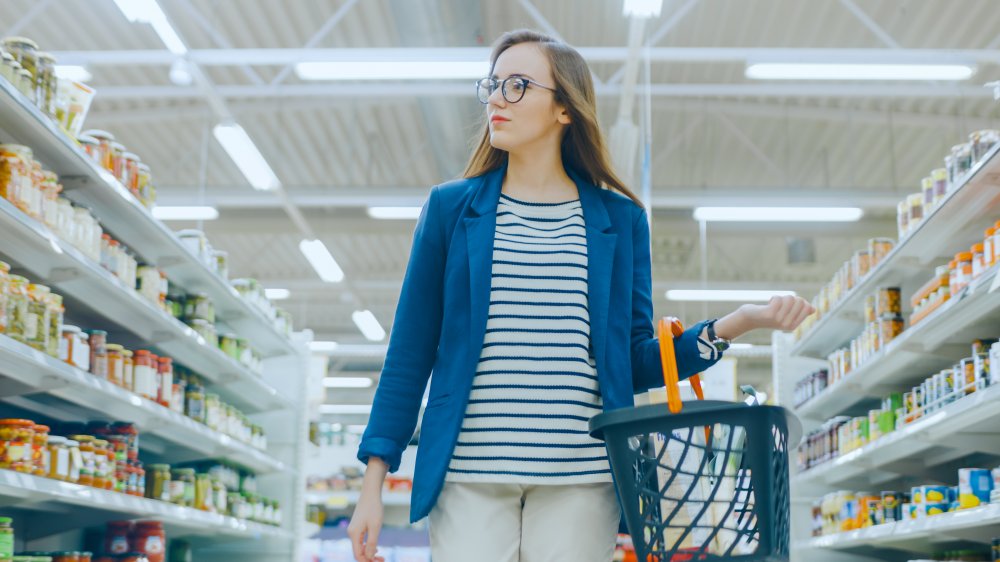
(538, 176)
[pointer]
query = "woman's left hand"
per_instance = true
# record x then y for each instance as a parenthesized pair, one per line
(782, 313)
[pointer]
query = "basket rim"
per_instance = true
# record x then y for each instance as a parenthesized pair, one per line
(648, 412)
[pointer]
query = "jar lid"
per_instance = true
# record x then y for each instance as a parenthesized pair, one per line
(991, 231)
(963, 256)
(118, 146)
(143, 167)
(939, 173)
(72, 443)
(100, 443)
(115, 347)
(184, 470)
(97, 332)
(41, 428)
(6, 520)
(6, 56)
(165, 360)
(977, 248)
(141, 352)
(71, 329)
(87, 139)
(20, 41)
(159, 467)
(47, 56)
(82, 438)
(131, 156)
(99, 134)
(127, 353)
(57, 440)
(15, 421)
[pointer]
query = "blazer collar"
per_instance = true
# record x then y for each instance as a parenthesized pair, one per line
(595, 213)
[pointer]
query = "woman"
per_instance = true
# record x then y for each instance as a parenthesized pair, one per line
(528, 295)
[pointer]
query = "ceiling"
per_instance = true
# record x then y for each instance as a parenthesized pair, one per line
(716, 136)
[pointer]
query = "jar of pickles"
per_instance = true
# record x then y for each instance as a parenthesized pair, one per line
(213, 412)
(16, 439)
(17, 308)
(39, 450)
(144, 185)
(56, 311)
(104, 140)
(158, 482)
(182, 486)
(25, 52)
(36, 328)
(203, 497)
(116, 364)
(88, 459)
(45, 81)
(195, 400)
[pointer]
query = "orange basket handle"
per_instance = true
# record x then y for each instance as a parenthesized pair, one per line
(671, 328)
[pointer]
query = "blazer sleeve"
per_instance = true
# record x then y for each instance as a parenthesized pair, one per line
(413, 343)
(647, 367)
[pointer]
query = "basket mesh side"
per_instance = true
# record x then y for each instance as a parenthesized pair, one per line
(782, 495)
(696, 499)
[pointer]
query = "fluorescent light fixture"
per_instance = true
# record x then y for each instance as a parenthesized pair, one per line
(368, 324)
(323, 346)
(322, 261)
(724, 295)
(642, 8)
(277, 294)
(392, 70)
(348, 382)
(195, 213)
(391, 213)
(778, 214)
(245, 155)
(345, 408)
(834, 71)
(73, 72)
(149, 11)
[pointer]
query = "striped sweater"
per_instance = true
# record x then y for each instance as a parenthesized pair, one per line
(535, 387)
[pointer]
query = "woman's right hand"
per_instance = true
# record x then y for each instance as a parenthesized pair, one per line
(366, 523)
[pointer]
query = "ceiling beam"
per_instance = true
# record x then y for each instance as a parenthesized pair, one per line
(273, 57)
(241, 197)
(464, 89)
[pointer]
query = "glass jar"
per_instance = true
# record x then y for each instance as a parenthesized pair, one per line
(58, 458)
(15, 168)
(195, 402)
(34, 201)
(977, 260)
(150, 539)
(91, 146)
(4, 294)
(39, 450)
(915, 203)
(88, 466)
(101, 468)
(116, 364)
(130, 172)
(36, 328)
(64, 223)
(56, 311)
(927, 188)
(116, 537)
(963, 272)
(45, 82)
(219, 497)
(199, 307)
(75, 460)
(148, 283)
(128, 373)
(25, 52)
(165, 381)
(982, 142)
(195, 242)
(130, 432)
(158, 482)
(74, 347)
(203, 493)
(16, 439)
(17, 307)
(6, 66)
(228, 344)
(98, 340)
(206, 330)
(144, 185)
(182, 486)
(114, 482)
(212, 411)
(50, 197)
(989, 256)
(963, 161)
(145, 374)
(104, 140)
(220, 263)
(117, 159)
(132, 482)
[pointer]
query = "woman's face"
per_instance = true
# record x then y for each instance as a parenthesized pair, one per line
(534, 120)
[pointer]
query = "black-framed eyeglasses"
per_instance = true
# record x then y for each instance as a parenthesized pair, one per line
(512, 88)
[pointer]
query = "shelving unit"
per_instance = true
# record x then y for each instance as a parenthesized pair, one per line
(928, 449)
(341, 499)
(34, 383)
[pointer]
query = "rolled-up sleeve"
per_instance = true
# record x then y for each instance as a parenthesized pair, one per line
(647, 367)
(413, 343)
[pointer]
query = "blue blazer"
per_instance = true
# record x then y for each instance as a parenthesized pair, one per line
(440, 321)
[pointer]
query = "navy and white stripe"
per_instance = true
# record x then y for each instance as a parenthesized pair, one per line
(535, 387)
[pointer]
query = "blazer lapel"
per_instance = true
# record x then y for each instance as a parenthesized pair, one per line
(600, 259)
(480, 232)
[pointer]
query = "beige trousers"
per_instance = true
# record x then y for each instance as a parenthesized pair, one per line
(524, 523)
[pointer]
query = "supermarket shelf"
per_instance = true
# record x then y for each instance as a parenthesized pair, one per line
(130, 222)
(26, 371)
(36, 494)
(88, 286)
(918, 535)
(960, 428)
(341, 499)
(956, 224)
(935, 343)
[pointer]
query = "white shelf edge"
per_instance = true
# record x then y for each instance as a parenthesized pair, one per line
(35, 488)
(347, 498)
(81, 385)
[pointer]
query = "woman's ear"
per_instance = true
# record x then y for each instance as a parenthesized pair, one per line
(563, 116)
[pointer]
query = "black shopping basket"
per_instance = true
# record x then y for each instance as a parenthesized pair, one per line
(706, 480)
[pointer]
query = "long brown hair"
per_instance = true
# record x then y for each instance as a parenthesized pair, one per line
(583, 148)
